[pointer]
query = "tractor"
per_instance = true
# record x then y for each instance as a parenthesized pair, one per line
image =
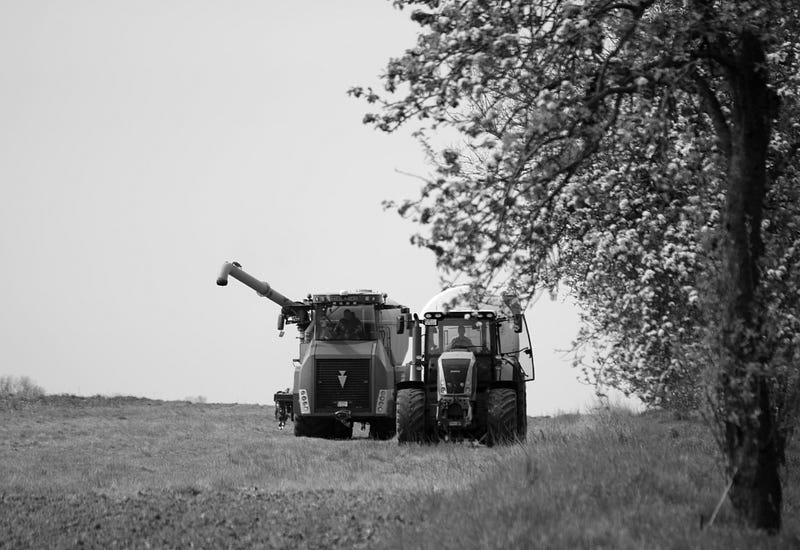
(465, 380)
(352, 346)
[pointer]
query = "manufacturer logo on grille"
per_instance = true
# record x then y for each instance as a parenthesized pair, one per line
(342, 378)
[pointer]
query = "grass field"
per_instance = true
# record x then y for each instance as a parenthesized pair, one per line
(606, 480)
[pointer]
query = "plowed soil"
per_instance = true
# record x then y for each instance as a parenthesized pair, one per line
(257, 519)
(135, 473)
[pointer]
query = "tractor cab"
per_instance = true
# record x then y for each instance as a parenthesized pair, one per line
(452, 338)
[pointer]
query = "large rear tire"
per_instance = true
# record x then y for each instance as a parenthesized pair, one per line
(501, 418)
(411, 415)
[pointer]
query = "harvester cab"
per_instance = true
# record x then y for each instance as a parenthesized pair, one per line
(466, 379)
(352, 345)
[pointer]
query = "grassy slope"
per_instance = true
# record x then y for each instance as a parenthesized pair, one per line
(600, 481)
(611, 480)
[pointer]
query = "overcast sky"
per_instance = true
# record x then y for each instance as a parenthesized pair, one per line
(143, 143)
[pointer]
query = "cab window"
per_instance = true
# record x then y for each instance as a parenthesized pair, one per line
(345, 322)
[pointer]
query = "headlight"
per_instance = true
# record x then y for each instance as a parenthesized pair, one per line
(305, 405)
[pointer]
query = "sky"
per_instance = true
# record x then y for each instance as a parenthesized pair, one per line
(142, 144)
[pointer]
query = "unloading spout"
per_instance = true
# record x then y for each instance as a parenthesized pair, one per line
(222, 280)
(234, 269)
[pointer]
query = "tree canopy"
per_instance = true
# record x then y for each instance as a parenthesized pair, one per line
(643, 153)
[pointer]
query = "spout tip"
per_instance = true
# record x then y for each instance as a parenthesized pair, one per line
(221, 281)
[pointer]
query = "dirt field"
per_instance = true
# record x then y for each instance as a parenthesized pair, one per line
(131, 473)
(218, 519)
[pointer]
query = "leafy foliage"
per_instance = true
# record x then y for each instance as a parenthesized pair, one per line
(595, 138)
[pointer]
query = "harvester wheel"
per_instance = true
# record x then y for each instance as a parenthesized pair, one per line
(313, 427)
(410, 415)
(501, 416)
(341, 431)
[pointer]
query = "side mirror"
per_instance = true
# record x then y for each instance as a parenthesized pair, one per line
(281, 321)
(517, 320)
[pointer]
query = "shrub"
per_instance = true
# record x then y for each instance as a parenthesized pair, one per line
(19, 387)
(196, 399)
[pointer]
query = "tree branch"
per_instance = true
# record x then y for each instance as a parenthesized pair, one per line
(714, 111)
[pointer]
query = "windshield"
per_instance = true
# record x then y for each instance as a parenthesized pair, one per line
(345, 322)
(458, 334)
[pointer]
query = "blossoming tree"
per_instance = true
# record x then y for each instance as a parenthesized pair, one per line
(643, 152)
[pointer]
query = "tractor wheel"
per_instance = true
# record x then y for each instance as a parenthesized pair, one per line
(522, 413)
(341, 431)
(411, 415)
(382, 429)
(501, 416)
(479, 417)
(313, 427)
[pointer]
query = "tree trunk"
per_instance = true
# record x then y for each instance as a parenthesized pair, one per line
(750, 431)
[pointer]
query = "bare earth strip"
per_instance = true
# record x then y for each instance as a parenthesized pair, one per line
(135, 473)
(257, 519)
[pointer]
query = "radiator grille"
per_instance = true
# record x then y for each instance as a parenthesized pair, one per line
(333, 387)
(455, 374)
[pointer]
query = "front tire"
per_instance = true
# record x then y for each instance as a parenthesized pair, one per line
(501, 417)
(411, 415)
